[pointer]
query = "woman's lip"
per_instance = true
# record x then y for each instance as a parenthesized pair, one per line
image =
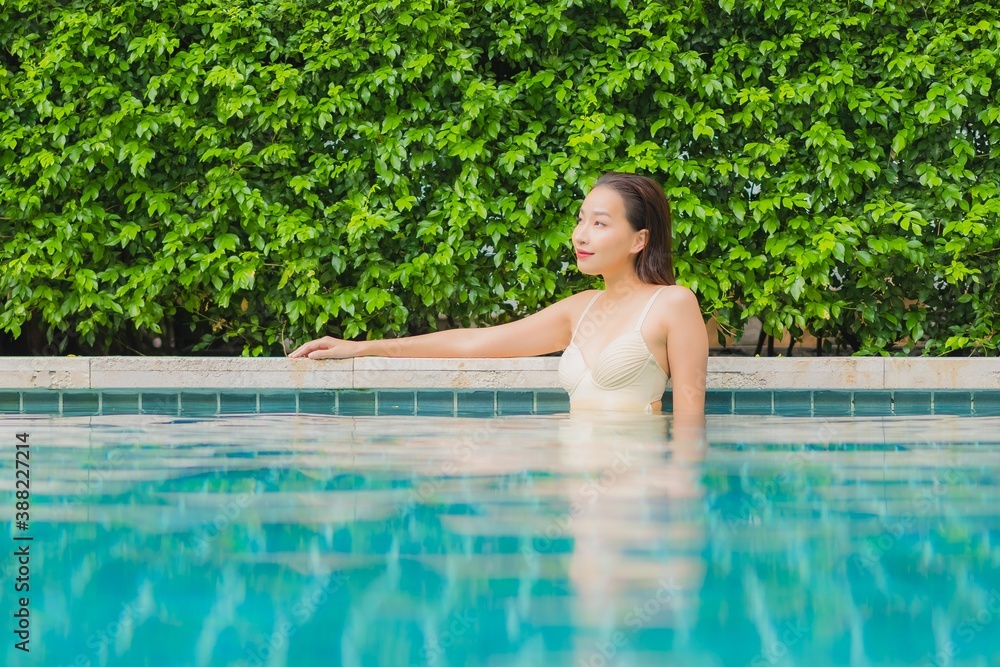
(583, 254)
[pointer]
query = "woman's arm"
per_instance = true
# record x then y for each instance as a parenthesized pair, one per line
(546, 331)
(687, 353)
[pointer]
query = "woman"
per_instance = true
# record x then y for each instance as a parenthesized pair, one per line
(621, 343)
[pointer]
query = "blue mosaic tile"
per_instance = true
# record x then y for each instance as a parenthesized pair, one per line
(551, 401)
(436, 402)
(278, 402)
(40, 402)
(954, 402)
(10, 402)
(199, 403)
(489, 402)
(832, 403)
(752, 402)
(986, 402)
(515, 402)
(719, 402)
(156, 403)
(81, 403)
(319, 402)
(119, 403)
(793, 403)
(910, 402)
(357, 402)
(475, 403)
(396, 402)
(237, 403)
(872, 403)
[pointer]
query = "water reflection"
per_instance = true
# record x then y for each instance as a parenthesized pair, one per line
(633, 573)
(564, 539)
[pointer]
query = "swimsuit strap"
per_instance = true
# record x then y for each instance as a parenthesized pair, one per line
(648, 306)
(579, 321)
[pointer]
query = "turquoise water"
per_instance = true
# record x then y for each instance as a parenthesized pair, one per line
(521, 540)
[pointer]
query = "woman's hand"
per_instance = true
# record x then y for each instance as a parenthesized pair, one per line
(328, 347)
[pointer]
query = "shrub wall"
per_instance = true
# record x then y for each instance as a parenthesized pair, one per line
(224, 175)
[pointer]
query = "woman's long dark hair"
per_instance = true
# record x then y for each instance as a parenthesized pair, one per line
(646, 207)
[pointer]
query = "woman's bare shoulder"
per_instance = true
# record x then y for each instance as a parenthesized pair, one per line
(585, 294)
(679, 294)
(580, 300)
(677, 305)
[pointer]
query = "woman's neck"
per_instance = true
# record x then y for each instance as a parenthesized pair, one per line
(623, 286)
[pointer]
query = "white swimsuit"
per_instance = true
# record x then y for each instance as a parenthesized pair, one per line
(626, 375)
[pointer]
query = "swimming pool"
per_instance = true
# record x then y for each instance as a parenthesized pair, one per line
(542, 539)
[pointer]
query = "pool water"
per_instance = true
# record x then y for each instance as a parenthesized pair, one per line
(520, 540)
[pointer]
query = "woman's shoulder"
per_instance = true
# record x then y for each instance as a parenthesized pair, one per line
(678, 294)
(677, 304)
(581, 297)
(575, 304)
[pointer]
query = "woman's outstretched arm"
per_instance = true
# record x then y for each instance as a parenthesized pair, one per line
(544, 332)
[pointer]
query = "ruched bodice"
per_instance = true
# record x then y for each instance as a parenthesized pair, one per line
(625, 376)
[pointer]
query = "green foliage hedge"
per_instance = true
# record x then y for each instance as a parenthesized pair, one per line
(248, 172)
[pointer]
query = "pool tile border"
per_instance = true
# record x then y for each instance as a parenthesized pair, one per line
(481, 402)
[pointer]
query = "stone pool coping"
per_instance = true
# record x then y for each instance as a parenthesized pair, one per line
(771, 373)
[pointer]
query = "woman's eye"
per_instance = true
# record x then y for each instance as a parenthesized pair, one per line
(600, 223)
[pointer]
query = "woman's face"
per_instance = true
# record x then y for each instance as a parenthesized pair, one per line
(603, 231)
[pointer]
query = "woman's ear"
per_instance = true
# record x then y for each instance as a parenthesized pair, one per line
(640, 240)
